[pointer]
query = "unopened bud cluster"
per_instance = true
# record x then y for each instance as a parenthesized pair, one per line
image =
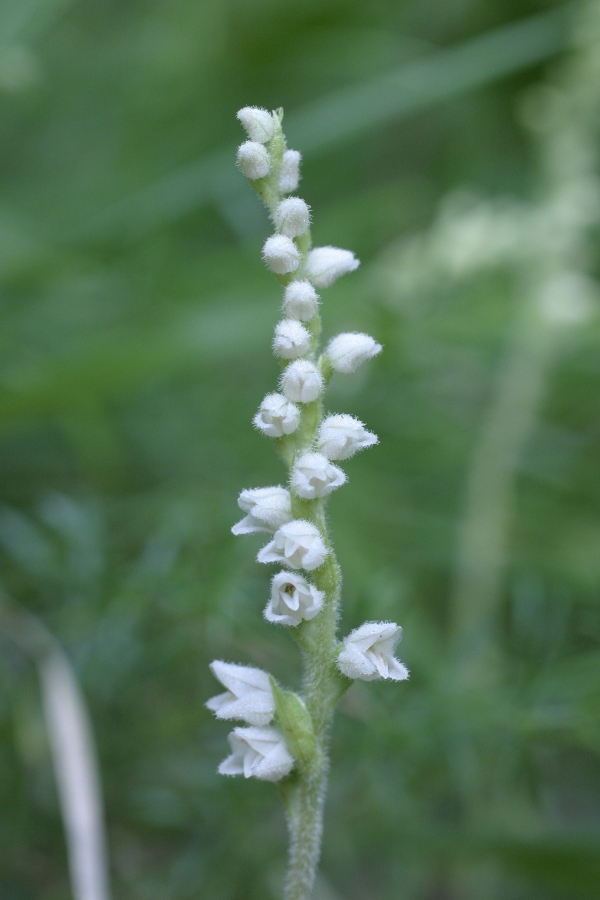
(311, 445)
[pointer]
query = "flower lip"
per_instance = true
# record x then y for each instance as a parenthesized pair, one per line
(258, 753)
(248, 697)
(298, 544)
(368, 653)
(293, 599)
(315, 476)
(341, 436)
(267, 509)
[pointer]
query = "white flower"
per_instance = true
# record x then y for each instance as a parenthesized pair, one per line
(326, 264)
(291, 339)
(348, 351)
(257, 753)
(248, 696)
(293, 599)
(254, 160)
(259, 123)
(281, 254)
(368, 652)
(314, 476)
(277, 416)
(301, 381)
(300, 300)
(268, 509)
(297, 544)
(289, 173)
(292, 217)
(341, 436)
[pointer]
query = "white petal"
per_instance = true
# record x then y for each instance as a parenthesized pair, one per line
(254, 160)
(259, 123)
(314, 476)
(300, 300)
(289, 173)
(277, 416)
(350, 350)
(326, 264)
(301, 381)
(291, 339)
(341, 436)
(281, 254)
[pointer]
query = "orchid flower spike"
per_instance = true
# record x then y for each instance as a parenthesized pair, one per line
(248, 697)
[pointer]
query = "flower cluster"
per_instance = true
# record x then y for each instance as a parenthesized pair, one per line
(311, 446)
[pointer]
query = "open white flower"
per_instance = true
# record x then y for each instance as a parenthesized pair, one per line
(341, 436)
(257, 753)
(314, 476)
(291, 339)
(248, 696)
(292, 217)
(301, 381)
(297, 544)
(326, 264)
(259, 123)
(268, 509)
(300, 300)
(253, 159)
(368, 653)
(293, 599)
(289, 173)
(277, 416)
(350, 350)
(281, 254)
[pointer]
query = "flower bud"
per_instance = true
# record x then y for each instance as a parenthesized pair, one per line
(257, 753)
(298, 544)
(248, 697)
(368, 653)
(259, 123)
(300, 300)
(254, 160)
(293, 599)
(277, 416)
(314, 476)
(301, 381)
(340, 437)
(291, 339)
(350, 350)
(281, 254)
(292, 217)
(267, 508)
(289, 173)
(326, 264)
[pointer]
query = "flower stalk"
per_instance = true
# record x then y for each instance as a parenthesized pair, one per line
(294, 750)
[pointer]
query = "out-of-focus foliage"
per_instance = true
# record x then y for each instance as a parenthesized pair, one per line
(136, 327)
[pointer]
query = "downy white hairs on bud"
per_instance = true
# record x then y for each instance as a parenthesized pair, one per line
(326, 264)
(268, 509)
(314, 476)
(257, 753)
(293, 599)
(350, 350)
(368, 653)
(259, 123)
(300, 301)
(291, 339)
(292, 217)
(281, 254)
(289, 173)
(341, 436)
(298, 544)
(254, 160)
(248, 697)
(301, 381)
(277, 416)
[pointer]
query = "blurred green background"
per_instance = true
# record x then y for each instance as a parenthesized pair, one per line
(136, 327)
